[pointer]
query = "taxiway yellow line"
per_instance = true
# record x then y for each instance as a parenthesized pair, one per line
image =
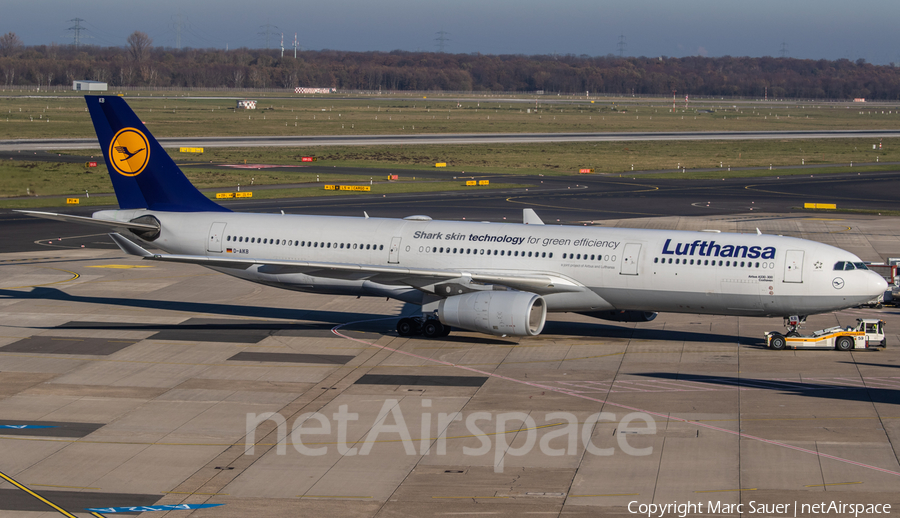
(59, 509)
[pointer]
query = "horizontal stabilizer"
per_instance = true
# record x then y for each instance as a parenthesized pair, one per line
(129, 225)
(129, 247)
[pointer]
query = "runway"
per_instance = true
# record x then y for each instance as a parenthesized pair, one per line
(577, 200)
(472, 138)
(175, 385)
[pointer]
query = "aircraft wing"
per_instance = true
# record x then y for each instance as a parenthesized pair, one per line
(542, 284)
(108, 225)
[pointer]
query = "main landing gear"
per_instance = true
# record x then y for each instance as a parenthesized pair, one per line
(427, 327)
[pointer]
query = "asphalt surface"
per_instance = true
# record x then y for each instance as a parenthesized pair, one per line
(563, 200)
(472, 138)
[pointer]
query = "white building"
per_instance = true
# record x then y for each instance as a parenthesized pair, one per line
(89, 86)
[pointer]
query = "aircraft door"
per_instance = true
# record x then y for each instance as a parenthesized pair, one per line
(216, 234)
(793, 266)
(394, 257)
(630, 259)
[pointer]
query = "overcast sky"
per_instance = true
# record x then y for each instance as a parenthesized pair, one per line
(815, 29)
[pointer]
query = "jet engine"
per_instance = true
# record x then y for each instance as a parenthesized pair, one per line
(516, 313)
(623, 315)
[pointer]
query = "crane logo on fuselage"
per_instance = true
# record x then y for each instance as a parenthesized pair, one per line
(713, 249)
(129, 152)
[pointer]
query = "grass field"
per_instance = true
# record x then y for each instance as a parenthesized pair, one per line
(568, 157)
(19, 178)
(66, 116)
(311, 191)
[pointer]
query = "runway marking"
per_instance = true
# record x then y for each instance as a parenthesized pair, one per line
(192, 493)
(122, 266)
(42, 499)
(65, 487)
(74, 276)
(30, 259)
(663, 416)
(468, 497)
(424, 439)
(328, 496)
(727, 490)
(834, 484)
(611, 494)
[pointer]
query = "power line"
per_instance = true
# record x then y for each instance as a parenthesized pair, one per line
(442, 40)
(621, 45)
(267, 33)
(77, 28)
(179, 26)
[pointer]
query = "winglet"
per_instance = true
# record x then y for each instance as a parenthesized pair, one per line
(530, 217)
(128, 246)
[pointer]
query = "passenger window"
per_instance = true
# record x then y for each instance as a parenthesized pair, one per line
(544, 254)
(656, 259)
(551, 255)
(381, 247)
(670, 260)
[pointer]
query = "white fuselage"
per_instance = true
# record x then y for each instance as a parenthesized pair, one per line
(622, 269)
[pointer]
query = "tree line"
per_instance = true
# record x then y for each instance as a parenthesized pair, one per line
(140, 64)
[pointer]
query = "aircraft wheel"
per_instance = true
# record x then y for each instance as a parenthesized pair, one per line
(406, 327)
(777, 342)
(792, 334)
(447, 330)
(844, 343)
(432, 329)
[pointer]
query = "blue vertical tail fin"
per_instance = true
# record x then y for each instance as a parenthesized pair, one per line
(142, 173)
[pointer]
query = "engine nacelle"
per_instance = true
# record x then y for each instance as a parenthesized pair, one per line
(623, 315)
(516, 313)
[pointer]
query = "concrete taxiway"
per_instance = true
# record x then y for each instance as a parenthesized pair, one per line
(153, 382)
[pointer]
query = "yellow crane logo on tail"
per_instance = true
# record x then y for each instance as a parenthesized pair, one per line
(129, 152)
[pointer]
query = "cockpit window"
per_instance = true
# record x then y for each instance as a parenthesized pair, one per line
(839, 265)
(848, 266)
(860, 266)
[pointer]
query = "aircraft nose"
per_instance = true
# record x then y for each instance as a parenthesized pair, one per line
(877, 284)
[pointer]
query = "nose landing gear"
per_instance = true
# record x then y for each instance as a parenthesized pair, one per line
(793, 323)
